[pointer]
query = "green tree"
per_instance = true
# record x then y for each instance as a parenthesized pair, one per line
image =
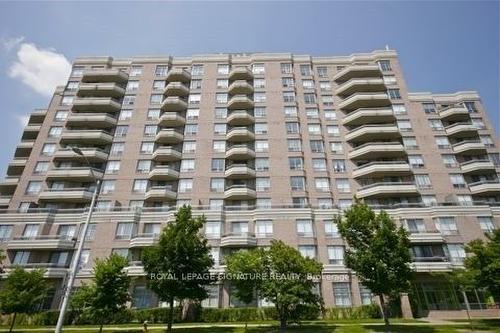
(378, 251)
(279, 274)
(178, 265)
(482, 266)
(23, 292)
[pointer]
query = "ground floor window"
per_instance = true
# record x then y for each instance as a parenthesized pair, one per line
(142, 297)
(366, 295)
(212, 301)
(342, 294)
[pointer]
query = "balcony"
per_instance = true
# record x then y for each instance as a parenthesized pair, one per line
(92, 154)
(240, 118)
(53, 242)
(24, 148)
(96, 104)
(174, 103)
(357, 71)
(30, 132)
(5, 200)
(169, 136)
(471, 147)
(238, 240)
(369, 116)
(178, 75)
(240, 134)
(94, 120)
(431, 264)
(37, 116)
(9, 184)
(240, 152)
(16, 166)
(477, 166)
(240, 73)
(79, 174)
(426, 237)
(485, 187)
(108, 89)
(105, 75)
(52, 270)
(368, 133)
(388, 189)
(239, 171)
(239, 192)
(83, 195)
(454, 113)
(86, 136)
(365, 100)
(143, 240)
(160, 193)
(240, 102)
(361, 85)
(163, 173)
(176, 89)
(166, 154)
(382, 168)
(240, 87)
(172, 119)
(373, 150)
(461, 130)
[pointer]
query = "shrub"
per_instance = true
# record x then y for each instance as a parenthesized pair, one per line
(362, 312)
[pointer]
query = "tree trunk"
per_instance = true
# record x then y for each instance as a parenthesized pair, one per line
(282, 323)
(13, 322)
(170, 315)
(188, 310)
(383, 307)
(100, 328)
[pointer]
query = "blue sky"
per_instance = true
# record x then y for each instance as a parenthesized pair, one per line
(443, 46)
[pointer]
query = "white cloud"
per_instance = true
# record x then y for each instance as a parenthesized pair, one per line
(40, 69)
(23, 120)
(11, 42)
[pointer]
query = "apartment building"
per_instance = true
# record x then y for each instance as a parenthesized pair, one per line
(266, 146)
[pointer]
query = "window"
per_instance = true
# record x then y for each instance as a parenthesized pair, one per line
(30, 230)
(288, 96)
(218, 164)
(221, 98)
(394, 93)
(429, 108)
(108, 186)
(442, 142)
(5, 232)
(133, 85)
(366, 295)
(305, 70)
(342, 294)
(157, 84)
(487, 141)
(130, 99)
(161, 70)
(317, 146)
(457, 253)
(121, 131)
(322, 184)
(68, 230)
(21, 258)
(216, 203)
(485, 223)
(294, 145)
(113, 167)
(331, 229)
(435, 124)
(220, 113)
(260, 128)
(336, 255)
(312, 113)
(385, 65)
(189, 147)
(343, 185)
(290, 111)
(339, 166)
(446, 225)
(404, 125)
(41, 167)
(217, 185)
(410, 142)
(296, 163)
(309, 98)
(263, 203)
(429, 200)
(416, 161)
(121, 251)
(140, 185)
(124, 230)
(308, 84)
(495, 158)
(292, 128)
(261, 146)
(262, 164)
(33, 187)
(258, 69)
(219, 146)
(305, 228)
(195, 84)
(479, 123)
(222, 69)
(322, 71)
(262, 184)
(314, 129)
(48, 149)
(333, 130)
(196, 98)
(61, 115)
(423, 182)
(187, 165)
(308, 251)
(136, 204)
(147, 147)
(286, 68)
(67, 100)
(389, 80)
(319, 164)
(259, 97)
(263, 228)
(325, 203)
(336, 147)
(125, 115)
(185, 185)
(287, 82)
(77, 71)
(197, 70)
(464, 200)
(398, 109)
(222, 83)
(457, 180)
(449, 160)
(259, 83)
(143, 166)
(325, 86)
(259, 112)
(330, 115)
(150, 130)
(220, 129)
(414, 225)
(470, 106)
(191, 129)
(212, 229)
(297, 183)
(153, 114)
(136, 71)
(299, 202)
(327, 100)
